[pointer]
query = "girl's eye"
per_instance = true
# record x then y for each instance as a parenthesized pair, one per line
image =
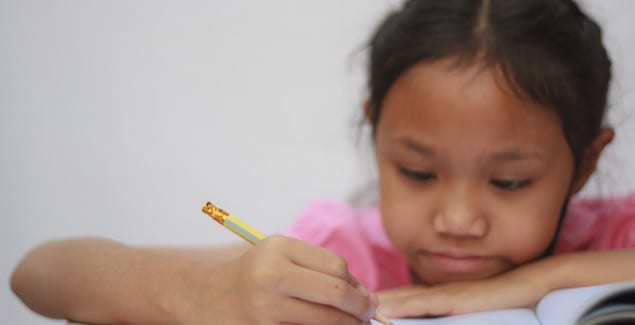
(510, 184)
(416, 175)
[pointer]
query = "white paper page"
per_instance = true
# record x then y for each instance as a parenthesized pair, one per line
(496, 317)
(566, 306)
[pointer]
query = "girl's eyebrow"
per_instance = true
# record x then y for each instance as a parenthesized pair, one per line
(416, 146)
(505, 155)
(515, 154)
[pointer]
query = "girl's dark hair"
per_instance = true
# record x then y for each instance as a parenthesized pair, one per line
(549, 52)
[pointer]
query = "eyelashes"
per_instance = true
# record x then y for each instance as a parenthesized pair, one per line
(510, 184)
(503, 184)
(416, 175)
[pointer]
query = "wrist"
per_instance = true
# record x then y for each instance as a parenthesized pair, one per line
(186, 291)
(159, 280)
(534, 281)
(543, 276)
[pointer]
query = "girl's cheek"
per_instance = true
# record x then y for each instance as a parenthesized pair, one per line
(525, 246)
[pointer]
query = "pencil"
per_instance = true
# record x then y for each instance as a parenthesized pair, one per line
(251, 235)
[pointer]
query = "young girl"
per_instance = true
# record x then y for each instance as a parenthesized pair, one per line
(486, 119)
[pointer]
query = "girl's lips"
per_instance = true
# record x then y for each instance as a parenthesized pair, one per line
(459, 264)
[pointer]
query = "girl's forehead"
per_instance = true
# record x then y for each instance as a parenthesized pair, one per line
(464, 104)
(468, 84)
(445, 91)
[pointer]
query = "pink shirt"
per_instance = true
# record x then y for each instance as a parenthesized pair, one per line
(358, 235)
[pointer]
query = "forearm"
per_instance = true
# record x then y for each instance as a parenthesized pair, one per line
(85, 279)
(579, 269)
(102, 281)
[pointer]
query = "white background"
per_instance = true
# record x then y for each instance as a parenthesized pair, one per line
(121, 118)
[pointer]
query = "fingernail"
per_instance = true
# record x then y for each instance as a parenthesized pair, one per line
(374, 299)
(362, 290)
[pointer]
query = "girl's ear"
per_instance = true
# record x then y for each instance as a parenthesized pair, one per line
(590, 158)
(368, 110)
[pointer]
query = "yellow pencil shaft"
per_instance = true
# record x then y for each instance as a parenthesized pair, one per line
(242, 229)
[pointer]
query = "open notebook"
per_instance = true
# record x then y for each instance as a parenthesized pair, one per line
(595, 305)
(580, 306)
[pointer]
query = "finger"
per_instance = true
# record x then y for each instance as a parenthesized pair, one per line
(324, 289)
(400, 293)
(313, 257)
(392, 303)
(297, 311)
(417, 305)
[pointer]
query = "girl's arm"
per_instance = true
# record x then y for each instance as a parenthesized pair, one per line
(520, 287)
(582, 269)
(103, 280)
(280, 280)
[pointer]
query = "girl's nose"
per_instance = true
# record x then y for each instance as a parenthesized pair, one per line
(460, 215)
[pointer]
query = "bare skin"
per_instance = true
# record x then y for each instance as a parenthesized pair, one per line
(278, 281)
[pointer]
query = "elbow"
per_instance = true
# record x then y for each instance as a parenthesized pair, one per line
(23, 275)
(28, 274)
(31, 280)
(15, 281)
(40, 279)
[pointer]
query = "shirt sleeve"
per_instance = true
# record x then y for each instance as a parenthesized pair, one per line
(343, 230)
(320, 222)
(334, 226)
(598, 224)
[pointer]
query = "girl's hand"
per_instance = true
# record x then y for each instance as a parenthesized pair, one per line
(278, 281)
(504, 291)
